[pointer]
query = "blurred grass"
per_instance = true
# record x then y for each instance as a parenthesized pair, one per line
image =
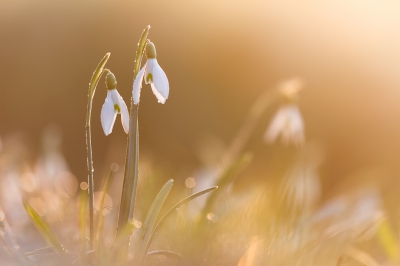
(44, 228)
(286, 212)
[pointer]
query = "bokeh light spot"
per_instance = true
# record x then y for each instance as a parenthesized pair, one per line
(190, 182)
(27, 182)
(84, 185)
(114, 167)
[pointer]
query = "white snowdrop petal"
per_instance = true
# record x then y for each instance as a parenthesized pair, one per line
(160, 98)
(137, 85)
(287, 122)
(114, 96)
(124, 114)
(160, 80)
(277, 126)
(108, 115)
(149, 70)
(297, 125)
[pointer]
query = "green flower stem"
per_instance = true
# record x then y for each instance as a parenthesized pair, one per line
(90, 179)
(129, 186)
(92, 89)
(244, 134)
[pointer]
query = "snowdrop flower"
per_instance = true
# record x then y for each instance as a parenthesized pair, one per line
(290, 88)
(287, 122)
(113, 105)
(153, 74)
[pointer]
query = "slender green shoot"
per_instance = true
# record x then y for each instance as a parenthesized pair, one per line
(148, 225)
(92, 88)
(248, 126)
(129, 185)
(175, 208)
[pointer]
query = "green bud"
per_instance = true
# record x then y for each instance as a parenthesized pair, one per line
(111, 81)
(150, 50)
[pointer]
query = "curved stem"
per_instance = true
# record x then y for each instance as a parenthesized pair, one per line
(90, 177)
(92, 89)
(244, 134)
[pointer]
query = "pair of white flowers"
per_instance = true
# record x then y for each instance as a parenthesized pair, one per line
(114, 104)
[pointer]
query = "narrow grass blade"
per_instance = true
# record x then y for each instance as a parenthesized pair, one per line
(360, 256)
(175, 208)
(40, 251)
(105, 189)
(149, 222)
(44, 228)
(84, 258)
(388, 240)
(228, 176)
(167, 253)
(10, 244)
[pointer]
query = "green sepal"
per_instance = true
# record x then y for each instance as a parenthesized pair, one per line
(150, 50)
(111, 81)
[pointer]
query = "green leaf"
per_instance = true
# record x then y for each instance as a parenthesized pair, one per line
(147, 228)
(97, 73)
(94, 80)
(129, 186)
(140, 50)
(43, 228)
(175, 208)
(228, 176)
(169, 254)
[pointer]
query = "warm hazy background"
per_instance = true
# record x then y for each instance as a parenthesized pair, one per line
(219, 56)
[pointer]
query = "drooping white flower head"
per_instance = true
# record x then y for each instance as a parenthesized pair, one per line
(153, 74)
(113, 105)
(288, 123)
